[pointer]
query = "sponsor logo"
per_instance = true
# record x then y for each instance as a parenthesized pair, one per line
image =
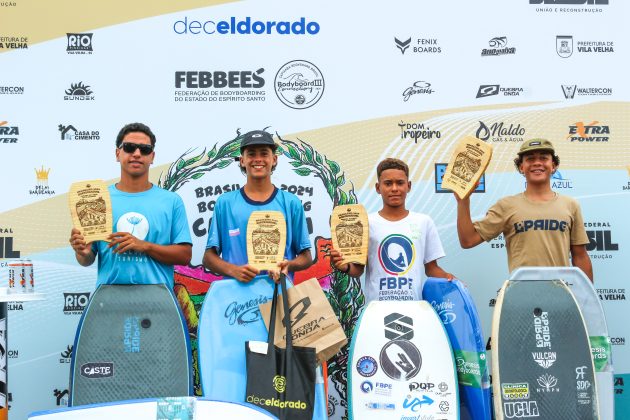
(13, 42)
(515, 391)
(498, 46)
(396, 255)
(418, 46)
(245, 26)
(582, 385)
(619, 385)
(297, 311)
(61, 397)
(78, 92)
(444, 406)
(416, 403)
(380, 406)
(400, 360)
(6, 247)
(272, 402)
(383, 388)
(75, 303)
(600, 240)
(69, 132)
(220, 86)
(440, 170)
(592, 132)
(560, 182)
(547, 383)
(564, 45)
(569, 6)
(11, 90)
(612, 294)
(541, 329)
(279, 383)
(540, 224)
(545, 359)
(243, 313)
(133, 223)
(366, 366)
(500, 132)
(97, 370)
(79, 43)
(131, 334)
(15, 306)
(13, 354)
(42, 188)
(420, 87)
(8, 4)
(520, 409)
(66, 355)
(367, 387)
(398, 326)
(445, 311)
(8, 133)
(417, 131)
(618, 341)
(299, 84)
(443, 387)
(570, 91)
(492, 90)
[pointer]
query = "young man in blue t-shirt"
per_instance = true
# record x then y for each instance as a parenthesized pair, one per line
(151, 232)
(226, 250)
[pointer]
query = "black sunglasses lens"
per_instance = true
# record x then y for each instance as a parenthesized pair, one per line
(145, 149)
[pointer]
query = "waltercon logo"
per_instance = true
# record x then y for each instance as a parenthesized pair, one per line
(97, 370)
(498, 46)
(11, 90)
(420, 45)
(491, 90)
(592, 132)
(69, 132)
(8, 133)
(299, 84)
(220, 86)
(570, 91)
(79, 43)
(79, 92)
(246, 26)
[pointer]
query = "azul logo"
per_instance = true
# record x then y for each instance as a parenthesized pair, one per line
(220, 86)
(570, 91)
(499, 132)
(97, 370)
(396, 254)
(592, 132)
(14, 42)
(79, 92)
(398, 326)
(11, 90)
(244, 313)
(8, 134)
(612, 294)
(547, 383)
(445, 311)
(560, 182)
(420, 45)
(417, 131)
(247, 26)
(366, 366)
(75, 303)
(540, 224)
(520, 409)
(491, 90)
(79, 43)
(400, 360)
(299, 84)
(69, 132)
(418, 88)
(416, 404)
(367, 387)
(42, 187)
(497, 47)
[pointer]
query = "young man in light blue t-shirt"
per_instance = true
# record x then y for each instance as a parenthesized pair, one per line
(226, 250)
(151, 232)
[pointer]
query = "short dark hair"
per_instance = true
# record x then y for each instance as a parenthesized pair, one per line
(262, 146)
(519, 159)
(134, 128)
(391, 163)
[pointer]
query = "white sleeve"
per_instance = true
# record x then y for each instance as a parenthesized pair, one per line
(433, 249)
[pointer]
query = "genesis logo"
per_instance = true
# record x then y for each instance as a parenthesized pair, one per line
(246, 26)
(97, 370)
(398, 326)
(244, 313)
(402, 45)
(396, 254)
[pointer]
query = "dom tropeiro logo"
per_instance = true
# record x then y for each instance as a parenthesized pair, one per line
(220, 86)
(79, 43)
(498, 46)
(97, 370)
(299, 84)
(245, 26)
(417, 131)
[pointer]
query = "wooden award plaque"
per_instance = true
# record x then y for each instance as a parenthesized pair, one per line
(349, 232)
(266, 239)
(468, 163)
(91, 209)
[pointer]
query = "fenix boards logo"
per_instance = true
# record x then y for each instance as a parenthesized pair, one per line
(245, 26)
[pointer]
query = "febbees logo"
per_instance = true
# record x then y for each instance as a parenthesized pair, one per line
(8, 133)
(220, 86)
(591, 132)
(246, 26)
(497, 47)
(13, 42)
(75, 303)
(492, 90)
(420, 45)
(97, 370)
(79, 43)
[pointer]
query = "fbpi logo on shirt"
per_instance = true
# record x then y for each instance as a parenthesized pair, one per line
(134, 223)
(396, 254)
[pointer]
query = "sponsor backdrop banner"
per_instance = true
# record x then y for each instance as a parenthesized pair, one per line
(342, 86)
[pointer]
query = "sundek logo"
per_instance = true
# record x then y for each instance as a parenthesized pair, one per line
(246, 26)
(97, 370)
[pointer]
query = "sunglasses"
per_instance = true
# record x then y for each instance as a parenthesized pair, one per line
(145, 149)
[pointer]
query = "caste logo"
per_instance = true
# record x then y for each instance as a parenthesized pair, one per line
(42, 188)
(417, 131)
(79, 43)
(396, 253)
(400, 360)
(13, 42)
(220, 86)
(420, 87)
(592, 132)
(69, 132)
(78, 92)
(492, 90)
(497, 47)
(299, 84)
(570, 91)
(97, 370)
(246, 26)
(500, 132)
(398, 326)
(11, 90)
(8, 133)
(420, 45)
(75, 303)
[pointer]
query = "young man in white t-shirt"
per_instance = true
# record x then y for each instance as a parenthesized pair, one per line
(403, 245)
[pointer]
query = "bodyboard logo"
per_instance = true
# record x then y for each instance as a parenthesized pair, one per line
(97, 370)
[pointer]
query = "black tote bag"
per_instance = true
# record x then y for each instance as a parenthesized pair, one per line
(281, 381)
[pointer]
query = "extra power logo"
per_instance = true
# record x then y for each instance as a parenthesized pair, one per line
(8, 133)
(13, 42)
(417, 131)
(299, 84)
(571, 91)
(398, 326)
(79, 92)
(42, 187)
(220, 86)
(492, 90)
(418, 45)
(97, 370)
(498, 46)
(500, 132)
(79, 43)
(544, 357)
(565, 46)
(74, 303)
(70, 132)
(589, 132)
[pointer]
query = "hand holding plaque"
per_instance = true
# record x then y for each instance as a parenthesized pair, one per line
(266, 239)
(91, 209)
(468, 163)
(349, 231)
